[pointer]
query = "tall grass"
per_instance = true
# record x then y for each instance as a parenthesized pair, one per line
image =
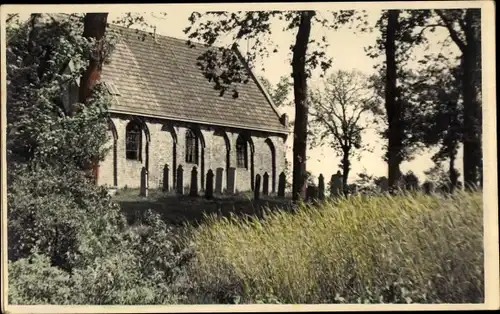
(401, 249)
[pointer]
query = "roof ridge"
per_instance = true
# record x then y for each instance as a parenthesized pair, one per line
(111, 24)
(163, 36)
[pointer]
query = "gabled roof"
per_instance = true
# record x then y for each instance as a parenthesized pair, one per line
(158, 76)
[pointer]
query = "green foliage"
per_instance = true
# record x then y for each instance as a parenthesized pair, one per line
(279, 93)
(34, 281)
(68, 241)
(439, 120)
(140, 269)
(59, 212)
(400, 249)
(440, 177)
(222, 67)
(162, 250)
(43, 59)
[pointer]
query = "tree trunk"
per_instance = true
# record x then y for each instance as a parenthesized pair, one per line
(94, 26)
(453, 173)
(301, 106)
(346, 166)
(472, 108)
(393, 108)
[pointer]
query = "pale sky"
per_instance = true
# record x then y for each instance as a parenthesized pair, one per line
(347, 50)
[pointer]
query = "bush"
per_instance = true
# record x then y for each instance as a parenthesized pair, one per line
(33, 281)
(59, 213)
(399, 249)
(68, 242)
(146, 266)
(115, 279)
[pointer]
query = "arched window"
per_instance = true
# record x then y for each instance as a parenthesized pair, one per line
(191, 147)
(133, 140)
(241, 153)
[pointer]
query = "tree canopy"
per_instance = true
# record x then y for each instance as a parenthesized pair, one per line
(338, 115)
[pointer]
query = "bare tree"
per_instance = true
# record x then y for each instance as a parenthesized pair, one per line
(336, 112)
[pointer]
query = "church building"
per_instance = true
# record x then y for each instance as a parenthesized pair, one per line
(165, 112)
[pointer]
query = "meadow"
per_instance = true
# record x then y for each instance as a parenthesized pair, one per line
(411, 248)
(379, 249)
(408, 248)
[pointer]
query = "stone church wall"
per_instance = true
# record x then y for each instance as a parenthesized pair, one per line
(164, 142)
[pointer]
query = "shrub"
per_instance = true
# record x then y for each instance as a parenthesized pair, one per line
(400, 249)
(33, 280)
(163, 254)
(61, 214)
(68, 242)
(146, 266)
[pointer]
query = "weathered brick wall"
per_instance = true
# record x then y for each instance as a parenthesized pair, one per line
(106, 171)
(218, 155)
(129, 171)
(213, 154)
(160, 153)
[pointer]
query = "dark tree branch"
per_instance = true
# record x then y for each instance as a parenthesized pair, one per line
(453, 33)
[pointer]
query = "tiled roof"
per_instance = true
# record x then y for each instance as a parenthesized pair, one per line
(160, 78)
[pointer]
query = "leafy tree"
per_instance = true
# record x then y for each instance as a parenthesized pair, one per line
(336, 112)
(440, 121)
(411, 181)
(222, 66)
(369, 184)
(397, 38)
(464, 27)
(279, 93)
(39, 128)
(440, 178)
(49, 194)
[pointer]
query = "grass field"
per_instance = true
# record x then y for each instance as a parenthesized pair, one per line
(403, 249)
(410, 248)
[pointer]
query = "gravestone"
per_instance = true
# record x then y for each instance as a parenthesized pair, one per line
(194, 182)
(336, 185)
(219, 172)
(231, 180)
(281, 184)
(144, 182)
(321, 187)
(265, 184)
(180, 180)
(311, 193)
(165, 178)
(428, 187)
(256, 190)
(209, 189)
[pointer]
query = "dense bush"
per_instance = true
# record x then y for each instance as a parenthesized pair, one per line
(59, 213)
(399, 249)
(68, 241)
(143, 266)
